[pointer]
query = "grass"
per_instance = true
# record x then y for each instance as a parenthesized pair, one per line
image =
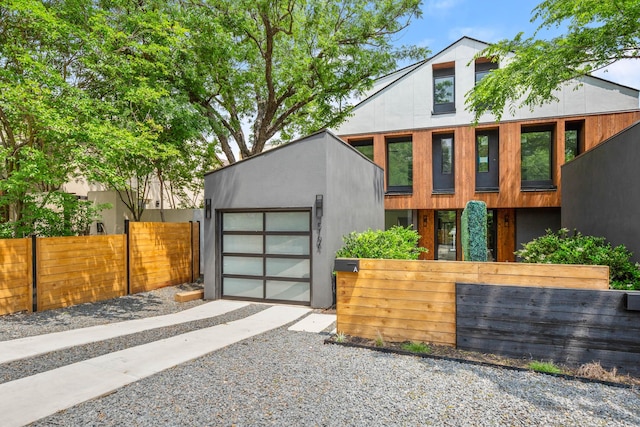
(341, 337)
(416, 347)
(546, 367)
(379, 341)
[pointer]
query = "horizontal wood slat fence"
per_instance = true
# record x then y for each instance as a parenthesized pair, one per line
(573, 326)
(416, 300)
(75, 270)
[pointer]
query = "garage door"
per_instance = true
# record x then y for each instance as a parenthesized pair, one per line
(266, 256)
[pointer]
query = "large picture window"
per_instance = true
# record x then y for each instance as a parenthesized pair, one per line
(536, 145)
(399, 165)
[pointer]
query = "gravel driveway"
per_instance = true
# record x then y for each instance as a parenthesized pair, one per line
(289, 378)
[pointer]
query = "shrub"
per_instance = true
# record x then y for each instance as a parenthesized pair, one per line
(473, 235)
(394, 243)
(560, 248)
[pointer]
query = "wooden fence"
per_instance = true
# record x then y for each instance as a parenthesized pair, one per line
(416, 300)
(75, 270)
(573, 326)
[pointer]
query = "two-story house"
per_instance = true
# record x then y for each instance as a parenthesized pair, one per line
(414, 125)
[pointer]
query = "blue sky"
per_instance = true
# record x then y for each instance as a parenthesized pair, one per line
(445, 21)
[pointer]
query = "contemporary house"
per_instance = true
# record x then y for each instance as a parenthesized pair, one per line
(273, 222)
(601, 191)
(414, 125)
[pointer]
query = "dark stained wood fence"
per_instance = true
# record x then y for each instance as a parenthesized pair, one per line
(573, 326)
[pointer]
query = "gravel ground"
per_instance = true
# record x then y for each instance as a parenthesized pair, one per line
(293, 378)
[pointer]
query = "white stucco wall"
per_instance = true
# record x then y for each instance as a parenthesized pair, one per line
(407, 103)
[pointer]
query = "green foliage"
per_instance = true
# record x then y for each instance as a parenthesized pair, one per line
(474, 231)
(531, 70)
(561, 248)
(416, 347)
(546, 367)
(394, 243)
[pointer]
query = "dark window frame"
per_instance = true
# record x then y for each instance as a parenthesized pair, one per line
(398, 189)
(482, 68)
(540, 184)
(577, 126)
(444, 107)
(437, 165)
(363, 143)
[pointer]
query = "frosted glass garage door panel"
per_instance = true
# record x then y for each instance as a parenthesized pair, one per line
(287, 221)
(242, 244)
(246, 288)
(288, 245)
(242, 221)
(246, 266)
(288, 291)
(282, 267)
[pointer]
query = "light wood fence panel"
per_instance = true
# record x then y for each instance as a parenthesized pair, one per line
(415, 300)
(15, 275)
(75, 270)
(159, 255)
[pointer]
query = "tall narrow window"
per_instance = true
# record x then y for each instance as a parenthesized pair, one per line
(364, 146)
(487, 161)
(399, 165)
(573, 142)
(444, 85)
(483, 68)
(443, 164)
(536, 145)
(446, 236)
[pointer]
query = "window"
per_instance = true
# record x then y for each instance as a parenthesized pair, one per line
(364, 146)
(444, 90)
(399, 165)
(402, 218)
(487, 161)
(443, 164)
(573, 142)
(483, 68)
(536, 145)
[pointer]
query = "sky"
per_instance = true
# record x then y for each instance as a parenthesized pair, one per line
(445, 21)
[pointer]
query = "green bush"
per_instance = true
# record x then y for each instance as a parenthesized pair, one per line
(560, 248)
(473, 235)
(394, 243)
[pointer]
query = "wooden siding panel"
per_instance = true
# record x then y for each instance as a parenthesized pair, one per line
(15, 275)
(564, 325)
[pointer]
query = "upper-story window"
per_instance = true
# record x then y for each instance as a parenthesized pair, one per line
(573, 140)
(483, 67)
(443, 167)
(444, 89)
(536, 145)
(400, 165)
(364, 146)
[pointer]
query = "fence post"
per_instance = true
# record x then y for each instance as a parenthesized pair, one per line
(199, 251)
(126, 232)
(34, 274)
(191, 248)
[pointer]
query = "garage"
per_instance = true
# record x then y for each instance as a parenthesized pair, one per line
(273, 222)
(266, 255)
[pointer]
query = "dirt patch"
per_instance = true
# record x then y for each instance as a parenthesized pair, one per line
(590, 371)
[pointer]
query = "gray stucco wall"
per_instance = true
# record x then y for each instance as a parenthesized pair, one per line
(290, 177)
(532, 223)
(601, 191)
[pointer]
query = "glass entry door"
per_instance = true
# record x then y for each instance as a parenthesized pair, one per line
(446, 235)
(267, 255)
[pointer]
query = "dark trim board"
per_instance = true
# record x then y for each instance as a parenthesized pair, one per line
(571, 326)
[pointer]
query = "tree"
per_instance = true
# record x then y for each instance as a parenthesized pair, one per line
(285, 67)
(598, 34)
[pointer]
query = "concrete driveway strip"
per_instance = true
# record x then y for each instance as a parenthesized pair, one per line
(40, 344)
(28, 399)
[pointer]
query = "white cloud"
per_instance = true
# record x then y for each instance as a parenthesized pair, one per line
(626, 72)
(439, 6)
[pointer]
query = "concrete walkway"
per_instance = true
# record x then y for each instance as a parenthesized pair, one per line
(40, 344)
(28, 399)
